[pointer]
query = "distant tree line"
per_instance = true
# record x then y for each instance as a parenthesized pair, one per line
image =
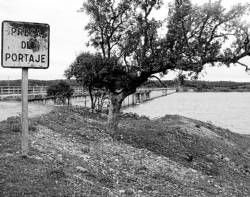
(36, 82)
(218, 86)
(196, 85)
(202, 86)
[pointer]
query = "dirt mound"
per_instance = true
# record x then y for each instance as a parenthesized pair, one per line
(72, 154)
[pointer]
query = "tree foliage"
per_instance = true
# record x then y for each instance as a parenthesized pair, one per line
(197, 35)
(88, 69)
(60, 91)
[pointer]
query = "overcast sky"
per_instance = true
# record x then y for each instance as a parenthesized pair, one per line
(68, 38)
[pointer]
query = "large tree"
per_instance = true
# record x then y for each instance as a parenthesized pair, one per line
(126, 35)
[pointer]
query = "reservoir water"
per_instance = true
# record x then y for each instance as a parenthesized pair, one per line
(8, 109)
(227, 110)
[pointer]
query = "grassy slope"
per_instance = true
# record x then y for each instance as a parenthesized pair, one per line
(72, 155)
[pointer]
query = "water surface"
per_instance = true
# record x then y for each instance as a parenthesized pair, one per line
(8, 109)
(228, 110)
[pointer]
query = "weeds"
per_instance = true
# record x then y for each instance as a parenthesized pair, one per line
(14, 124)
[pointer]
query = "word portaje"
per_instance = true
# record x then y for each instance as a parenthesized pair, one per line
(23, 57)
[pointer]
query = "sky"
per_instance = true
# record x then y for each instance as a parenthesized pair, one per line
(68, 37)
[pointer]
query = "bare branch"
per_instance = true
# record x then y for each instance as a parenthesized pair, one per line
(153, 76)
(247, 68)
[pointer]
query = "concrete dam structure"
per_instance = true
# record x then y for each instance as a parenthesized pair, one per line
(144, 94)
(81, 97)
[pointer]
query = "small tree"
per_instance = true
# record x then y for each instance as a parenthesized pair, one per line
(180, 81)
(60, 92)
(86, 69)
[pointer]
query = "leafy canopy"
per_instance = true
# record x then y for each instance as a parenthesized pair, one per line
(60, 91)
(126, 36)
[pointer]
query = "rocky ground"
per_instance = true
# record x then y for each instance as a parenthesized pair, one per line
(72, 154)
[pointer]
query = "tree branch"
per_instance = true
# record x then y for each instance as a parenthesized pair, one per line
(247, 68)
(153, 76)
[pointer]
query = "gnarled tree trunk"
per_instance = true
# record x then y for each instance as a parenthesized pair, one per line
(114, 110)
(92, 97)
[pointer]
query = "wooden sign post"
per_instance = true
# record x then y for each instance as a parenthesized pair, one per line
(25, 45)
(25, 122)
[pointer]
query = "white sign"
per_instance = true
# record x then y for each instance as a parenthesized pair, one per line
(25, 45)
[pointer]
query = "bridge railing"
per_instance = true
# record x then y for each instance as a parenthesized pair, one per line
(170, 88)
(42, 90)
(16, 90)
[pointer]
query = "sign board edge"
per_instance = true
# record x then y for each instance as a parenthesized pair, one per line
(34, 23)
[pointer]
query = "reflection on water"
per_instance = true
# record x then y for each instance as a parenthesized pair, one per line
(228, 110)
(8, 109)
